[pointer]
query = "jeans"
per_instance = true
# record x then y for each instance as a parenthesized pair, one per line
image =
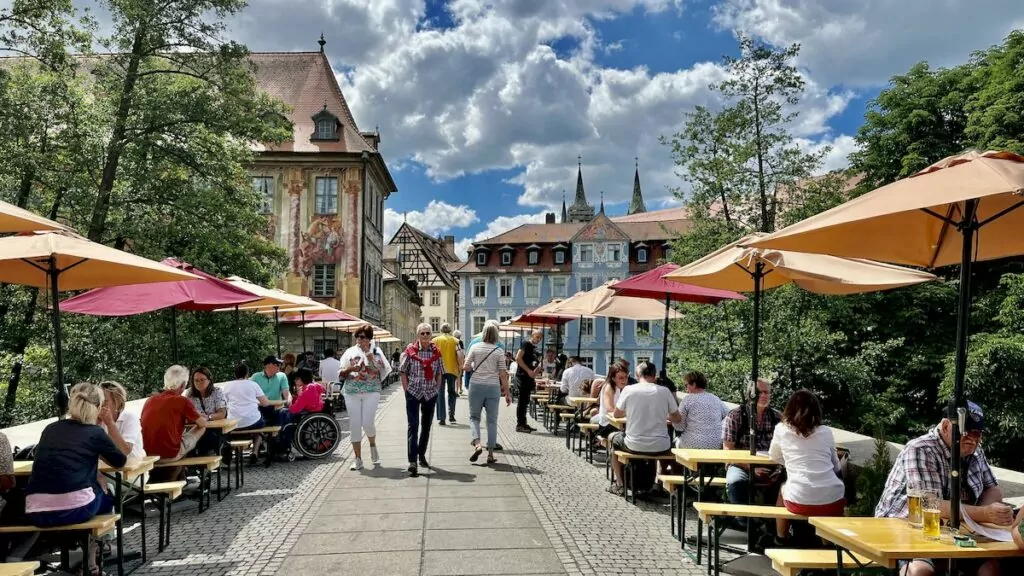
(525, 389)
(465, 379)
(484, 396)
(737, 486)
(420, 414)
(361, 409)
(447, 381)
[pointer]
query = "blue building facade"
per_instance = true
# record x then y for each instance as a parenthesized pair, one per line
(528, 266)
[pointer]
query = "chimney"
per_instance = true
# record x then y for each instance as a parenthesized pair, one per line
(449, 243)
(549, 218)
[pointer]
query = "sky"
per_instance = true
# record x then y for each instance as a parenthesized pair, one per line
(485, 106)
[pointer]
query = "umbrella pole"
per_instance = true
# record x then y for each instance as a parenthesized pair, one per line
(277, 331)
(755, 358)
(579, 337)
(323, 333)
(61, 393)
(969, 227)
(174, 335)
(302, 315)
(238, 335)
(558, 338)
(611, 330)
(664, 339)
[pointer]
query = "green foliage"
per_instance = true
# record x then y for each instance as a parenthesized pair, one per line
(871, 479)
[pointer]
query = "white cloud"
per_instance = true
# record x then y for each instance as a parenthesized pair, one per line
(838, 156)
(497, 226)
(866, 42)
(438, 217)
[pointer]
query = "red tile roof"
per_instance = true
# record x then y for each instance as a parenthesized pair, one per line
(648, 226)
(305, 82)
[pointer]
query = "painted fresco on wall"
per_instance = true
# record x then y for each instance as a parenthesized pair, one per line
(295, 221)
(321, 243)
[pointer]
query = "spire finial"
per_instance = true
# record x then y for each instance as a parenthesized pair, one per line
(579, 161)
(321, 42)
(405, 217)
(602, 202)
(636, 162)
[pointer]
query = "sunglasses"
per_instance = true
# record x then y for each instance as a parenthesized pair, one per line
(973, 435)
(424, 333)
(362, 337)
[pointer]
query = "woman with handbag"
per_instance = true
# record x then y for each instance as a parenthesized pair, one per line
(363, 368)
(488, 384)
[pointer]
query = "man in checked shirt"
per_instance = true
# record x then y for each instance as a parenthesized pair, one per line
(924, 464)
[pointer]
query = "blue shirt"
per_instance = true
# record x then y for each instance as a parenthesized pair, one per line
(273, 387)
(67, 457)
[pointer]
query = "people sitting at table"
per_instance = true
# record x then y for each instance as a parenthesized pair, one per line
(646, 406)
(307, 361)
(701, 414)
(924, 465)
(63, 488)
(549, 365)
(164, 419)
(329, 367)
(211, 403)
(736, 436)
(245, 398)
(574, 375)
(275, 387)
(807, 450)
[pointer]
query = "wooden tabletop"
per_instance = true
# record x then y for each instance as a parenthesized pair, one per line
(18, 568)
(886, 540)
(579, 400)
(619, 423)
(275, 403)
(692, 457)
(225, 425)
(130, 471)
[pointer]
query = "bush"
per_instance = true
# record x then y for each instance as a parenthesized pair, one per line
(871, 479)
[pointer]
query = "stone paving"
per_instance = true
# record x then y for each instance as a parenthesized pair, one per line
(540, 510)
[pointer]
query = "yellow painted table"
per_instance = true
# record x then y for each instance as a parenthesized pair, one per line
(18, 568)
(887, 540)
(582, 400)
(693, 458)
(225, 425)
(619, 423)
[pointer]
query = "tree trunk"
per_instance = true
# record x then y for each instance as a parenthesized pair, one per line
(766, 225)
(101, 209)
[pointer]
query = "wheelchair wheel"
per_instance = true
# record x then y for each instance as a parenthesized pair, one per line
(317, 436)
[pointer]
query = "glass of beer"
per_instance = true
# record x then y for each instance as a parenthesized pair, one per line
(931, 514)
(914, 507)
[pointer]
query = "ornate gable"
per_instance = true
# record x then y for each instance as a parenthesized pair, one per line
(600, 228)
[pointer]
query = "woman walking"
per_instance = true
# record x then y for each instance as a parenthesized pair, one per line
(363, 368)
(488, 384)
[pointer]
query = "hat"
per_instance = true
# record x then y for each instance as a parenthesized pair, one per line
(272, 360)
(974, 419)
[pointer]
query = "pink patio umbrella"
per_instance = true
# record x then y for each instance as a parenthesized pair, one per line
(210, 294)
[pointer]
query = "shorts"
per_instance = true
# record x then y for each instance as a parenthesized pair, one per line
(254, 426)
(618, 442)
(834, 509)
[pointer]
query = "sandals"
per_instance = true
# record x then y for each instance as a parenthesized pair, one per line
(476, 453)
(491, 459)
(616, 489)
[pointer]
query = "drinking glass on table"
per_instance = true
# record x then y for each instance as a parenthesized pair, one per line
(931, 514)
(914, 506)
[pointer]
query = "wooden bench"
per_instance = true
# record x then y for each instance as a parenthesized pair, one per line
(18, 568)
(676, 487)
(98, 526)
(554, 411)
(206, 465)
(586, 431)
(164, 493)
(790, 561)
(265, 431)
(238, 449)
(628, 459)
(710, 512)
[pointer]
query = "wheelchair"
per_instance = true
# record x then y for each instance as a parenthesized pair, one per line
(315, 435)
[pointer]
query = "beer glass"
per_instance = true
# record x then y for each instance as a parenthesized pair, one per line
(931, 514)
(914, 506)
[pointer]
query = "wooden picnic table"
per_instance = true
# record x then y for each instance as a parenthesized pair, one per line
(275, 403)
(619, 423)
(18, 568)
(693, 458)
(225, 425)
(582, 400)
(885, 541)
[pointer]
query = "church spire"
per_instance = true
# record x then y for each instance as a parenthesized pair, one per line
(602, 201)
(565, 213)
(637, 204)
(580, 211)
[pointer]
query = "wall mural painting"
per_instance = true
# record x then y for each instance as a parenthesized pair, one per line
(321, 242)
(351, 197)
(295, 222)
(271, 230)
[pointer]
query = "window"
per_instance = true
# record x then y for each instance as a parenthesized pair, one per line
(481, 258)
(326, 195)
(616, 324)
(586, 284)
(435, 298)
(323, 280)
(641, 255)
(435, 324)
(505, 288)
(479, 288)
(665, 250)
(326, 125)
(644, 358)
(586, 253)
(506, 258)
(588, 326)
(478, 324)
(320, 345)
(533, 257)
(407, 257)
(614, 253)
(643, 328)
(264, 186)
(587, 361)
(559, 256)
(504, 318)
(533, 287)
(559, 287)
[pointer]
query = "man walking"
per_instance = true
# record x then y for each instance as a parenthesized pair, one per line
(452, 358)
(528, 364)
(420, 369)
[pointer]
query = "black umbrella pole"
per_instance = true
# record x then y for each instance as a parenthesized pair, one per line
(238, 335)
(755, 359)
(579, 339)
(969, 229)
(323, 333)
(61, 395)
(174, 335)
(277, 331)
(302, 315)
(611, 331)
(664, 338)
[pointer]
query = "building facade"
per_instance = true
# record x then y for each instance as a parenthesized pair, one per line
(427, 261)
(402, 302)
(528, 266)
(324, 189)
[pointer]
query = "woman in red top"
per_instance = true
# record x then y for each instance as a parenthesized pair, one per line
(309, 396)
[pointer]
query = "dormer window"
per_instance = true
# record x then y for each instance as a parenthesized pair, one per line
(559, 253)
(326, 125)
(481, 258)
(533, 255)
(641, 255)
(506, 258)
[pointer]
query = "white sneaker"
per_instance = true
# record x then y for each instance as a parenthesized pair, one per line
(374, 456)
(357, 464)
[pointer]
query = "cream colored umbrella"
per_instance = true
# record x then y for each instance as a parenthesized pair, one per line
(63, 260)
(14, 220)
(271, 300)
(961, 209)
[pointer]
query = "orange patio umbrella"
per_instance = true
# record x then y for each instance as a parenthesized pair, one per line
(14, 220)
(961, 209)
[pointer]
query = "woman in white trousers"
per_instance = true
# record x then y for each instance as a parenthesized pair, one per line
(363, 368)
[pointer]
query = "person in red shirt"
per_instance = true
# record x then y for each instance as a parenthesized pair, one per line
(309, 396)
(164, 417)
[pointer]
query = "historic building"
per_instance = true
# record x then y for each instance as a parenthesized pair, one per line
(529, 265)
(428, 260)
(401, 302)
(324, 189)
